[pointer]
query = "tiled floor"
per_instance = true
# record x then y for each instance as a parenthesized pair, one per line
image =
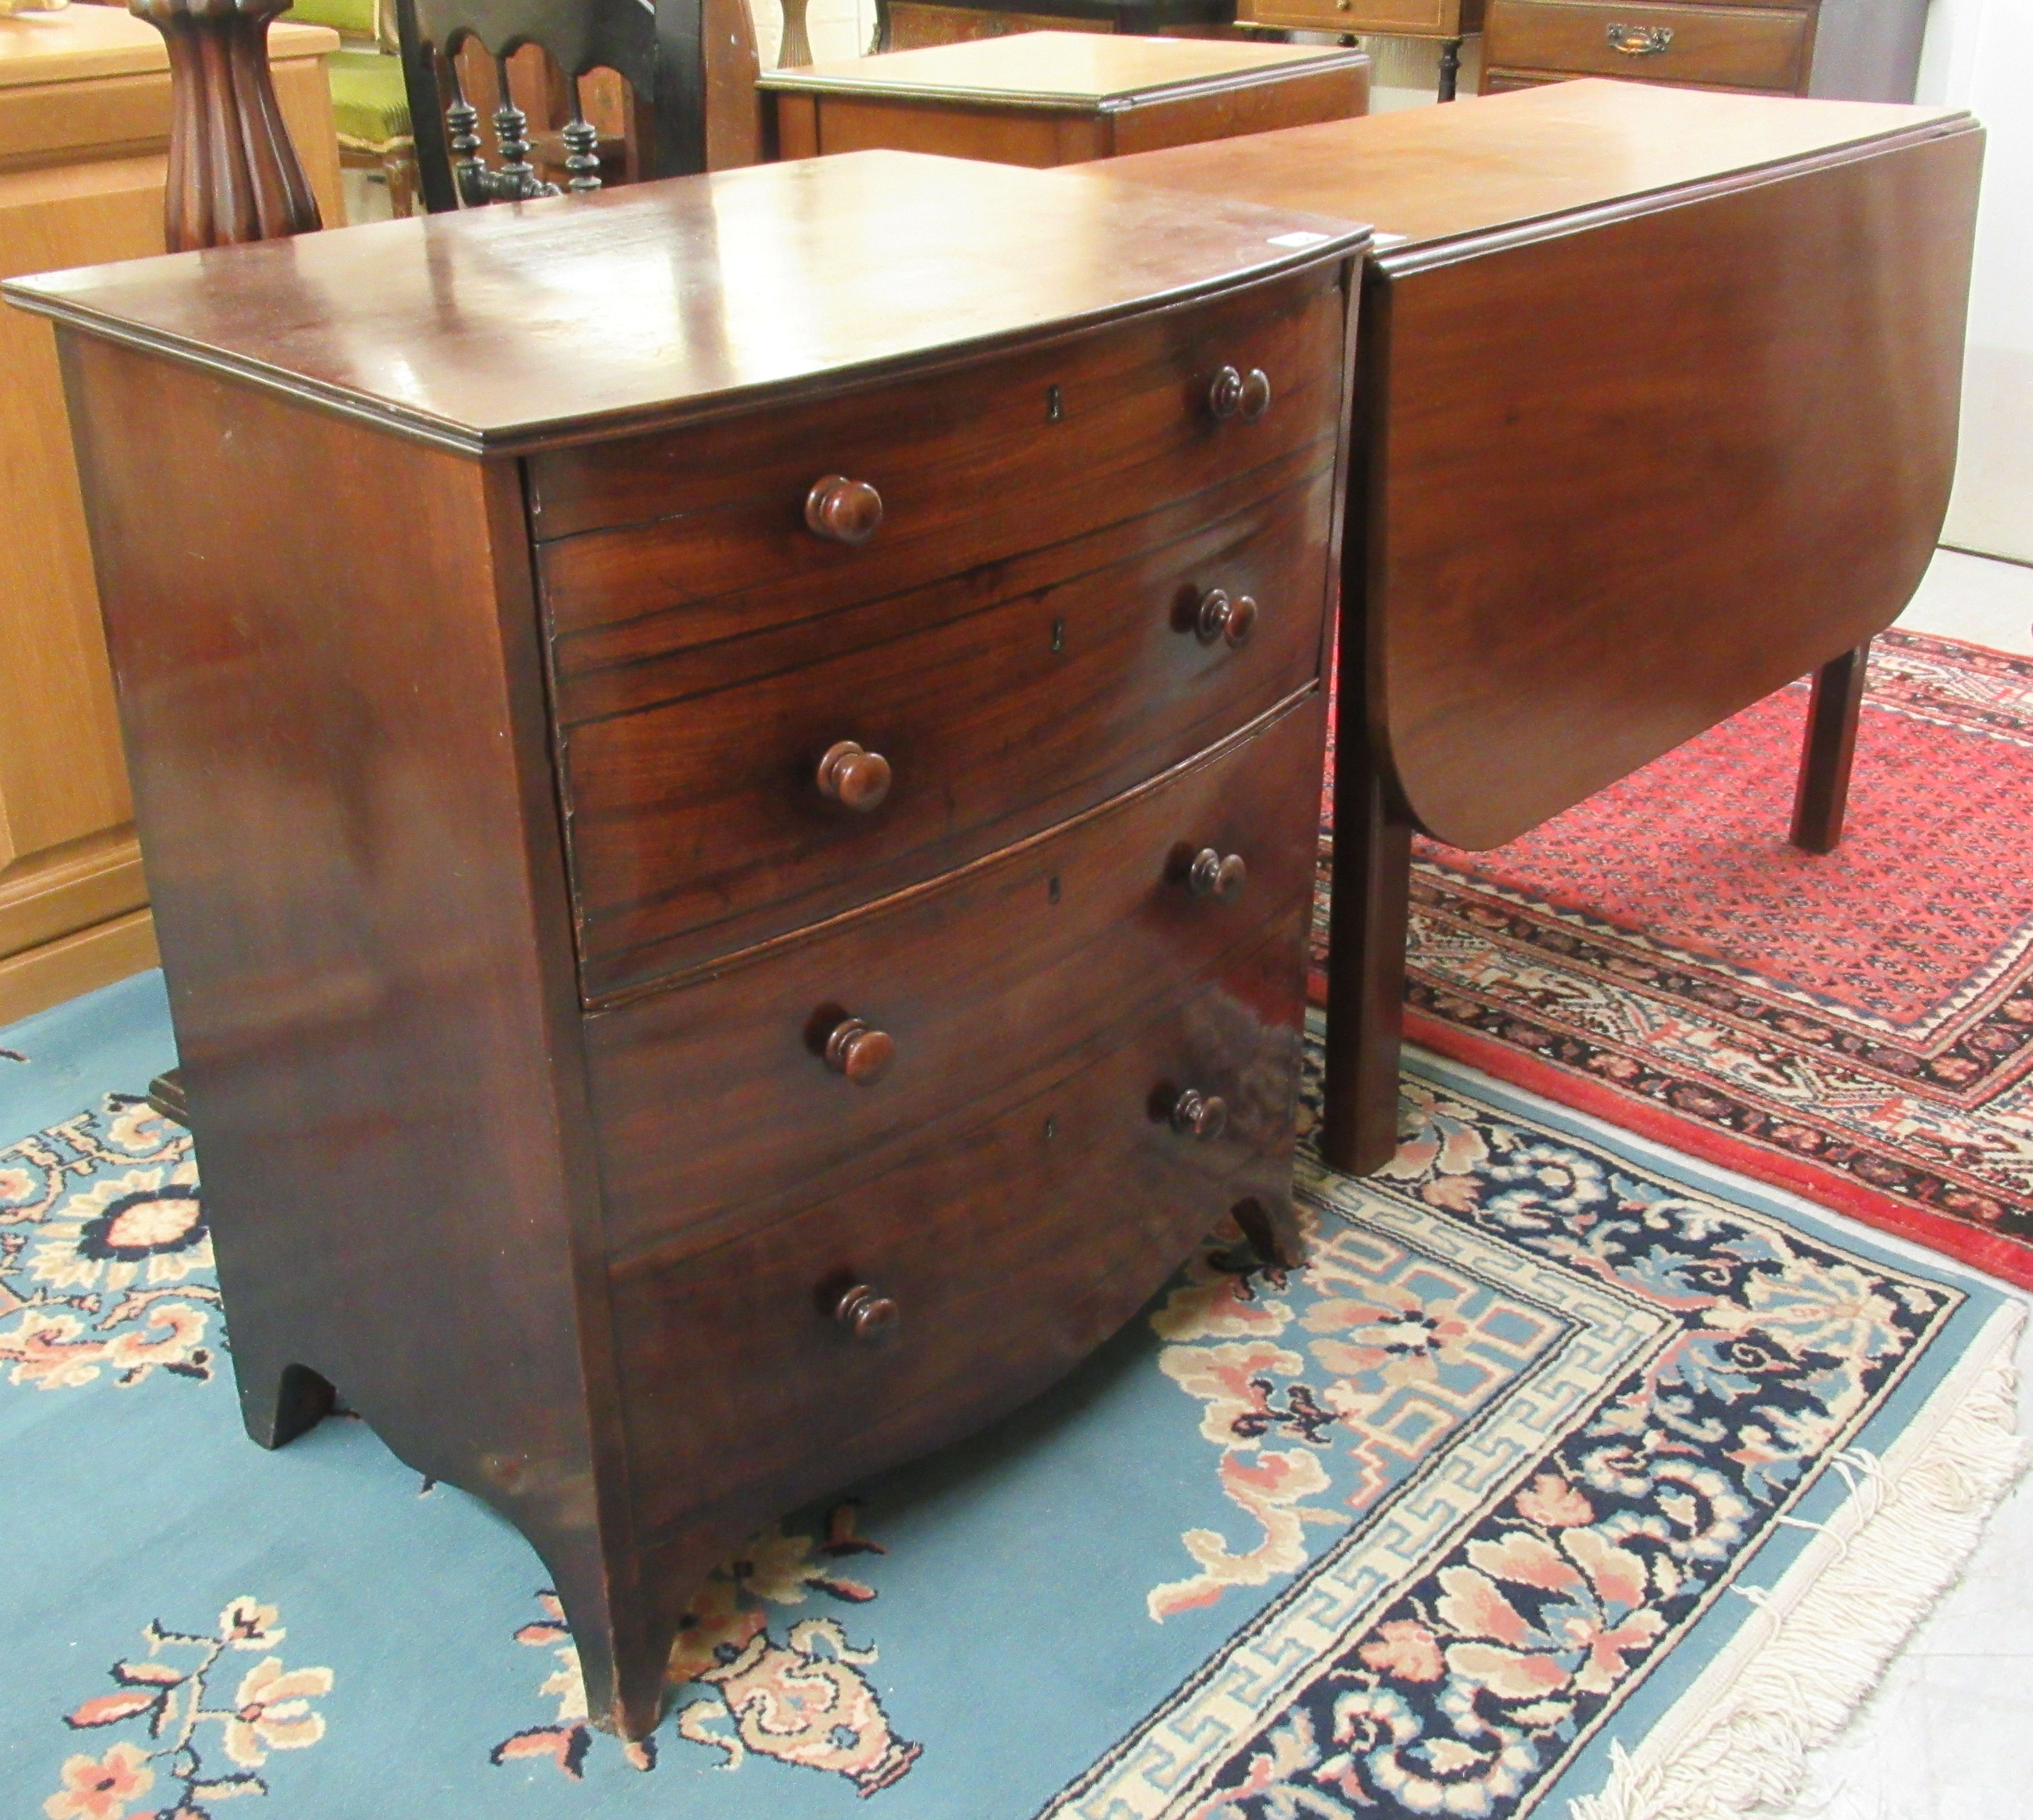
(1948, 1735)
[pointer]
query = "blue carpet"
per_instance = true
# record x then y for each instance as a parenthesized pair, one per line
(1422, 1531)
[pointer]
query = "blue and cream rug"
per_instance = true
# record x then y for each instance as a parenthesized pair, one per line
(1558, 1461)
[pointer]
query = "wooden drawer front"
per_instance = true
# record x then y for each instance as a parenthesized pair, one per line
(699, 827)
(1410, 18)
(712, 1097)
(1010, 1250)
(970, 464)
(1723, 46)
(916, 28)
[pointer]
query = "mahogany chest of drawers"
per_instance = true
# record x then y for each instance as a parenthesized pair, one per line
(729, 775)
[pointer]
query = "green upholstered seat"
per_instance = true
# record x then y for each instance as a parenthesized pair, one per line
(349, 18)
(369, 106)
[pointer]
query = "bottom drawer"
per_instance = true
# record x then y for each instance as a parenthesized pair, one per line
(994, 1263)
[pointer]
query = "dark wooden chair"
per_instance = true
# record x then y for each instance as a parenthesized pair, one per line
(690, 64)
(659, 54)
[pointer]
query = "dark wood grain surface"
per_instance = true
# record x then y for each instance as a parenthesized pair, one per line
(1657, 412)
(699, 825)
(1562, 151)
(978, 978)
(984, 1237)
(350, 685)
(514, 326)
(336, 741)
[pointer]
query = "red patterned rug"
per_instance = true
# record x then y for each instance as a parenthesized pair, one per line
(1857, 1027)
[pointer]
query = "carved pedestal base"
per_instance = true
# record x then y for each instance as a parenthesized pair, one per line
(233, 174)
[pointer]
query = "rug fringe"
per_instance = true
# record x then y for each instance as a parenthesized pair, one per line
(1739, 1739)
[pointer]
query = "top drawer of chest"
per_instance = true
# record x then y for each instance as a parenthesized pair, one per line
(965, 465)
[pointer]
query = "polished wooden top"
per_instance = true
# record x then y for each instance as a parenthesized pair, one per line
(86, 41)
(530, 325)
(1091, 72)
(1432, 174)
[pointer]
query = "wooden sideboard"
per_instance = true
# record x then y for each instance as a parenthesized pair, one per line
(724, 767)
(1846, 49)
(84, 115)
(1045, 98)
(1657, 412)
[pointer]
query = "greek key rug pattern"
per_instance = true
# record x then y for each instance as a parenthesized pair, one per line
(1419, 1530)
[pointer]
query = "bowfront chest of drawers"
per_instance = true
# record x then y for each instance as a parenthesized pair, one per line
(728, 778)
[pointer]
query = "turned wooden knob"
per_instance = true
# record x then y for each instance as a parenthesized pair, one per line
(1234, 393)
(1199, 1114)
(847, 511)
(863, 1054)
(870, 1317)
(849, 775)
(1220, 617)
(1217, 875)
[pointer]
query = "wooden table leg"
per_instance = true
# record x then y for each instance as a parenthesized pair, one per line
(1450, 68)
(1372, 877)
(1822, 792)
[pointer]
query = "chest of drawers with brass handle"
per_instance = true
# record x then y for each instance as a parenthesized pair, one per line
(689, 860)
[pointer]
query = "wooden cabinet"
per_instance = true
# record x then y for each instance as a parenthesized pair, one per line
(1843, 49)
(720, 771)
(1045, 97)
(85, 113)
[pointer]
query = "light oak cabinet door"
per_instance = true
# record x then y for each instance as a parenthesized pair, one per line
(84, 120)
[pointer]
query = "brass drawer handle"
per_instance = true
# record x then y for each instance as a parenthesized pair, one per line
(844, 511)
(1198, 1114)
(1236, 394)
(870, 1316)
(1640, 40)
(1220, 617)
(848, 774)
(1216, 876)
(862, 1053)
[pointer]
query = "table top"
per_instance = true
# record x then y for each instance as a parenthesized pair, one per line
(532, 324)
(1429, 175)
(81, 42)
(1091, 71)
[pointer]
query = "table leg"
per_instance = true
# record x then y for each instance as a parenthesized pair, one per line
(1366, 927)
(1822, 792)
(882, 39)
(1450, 67)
